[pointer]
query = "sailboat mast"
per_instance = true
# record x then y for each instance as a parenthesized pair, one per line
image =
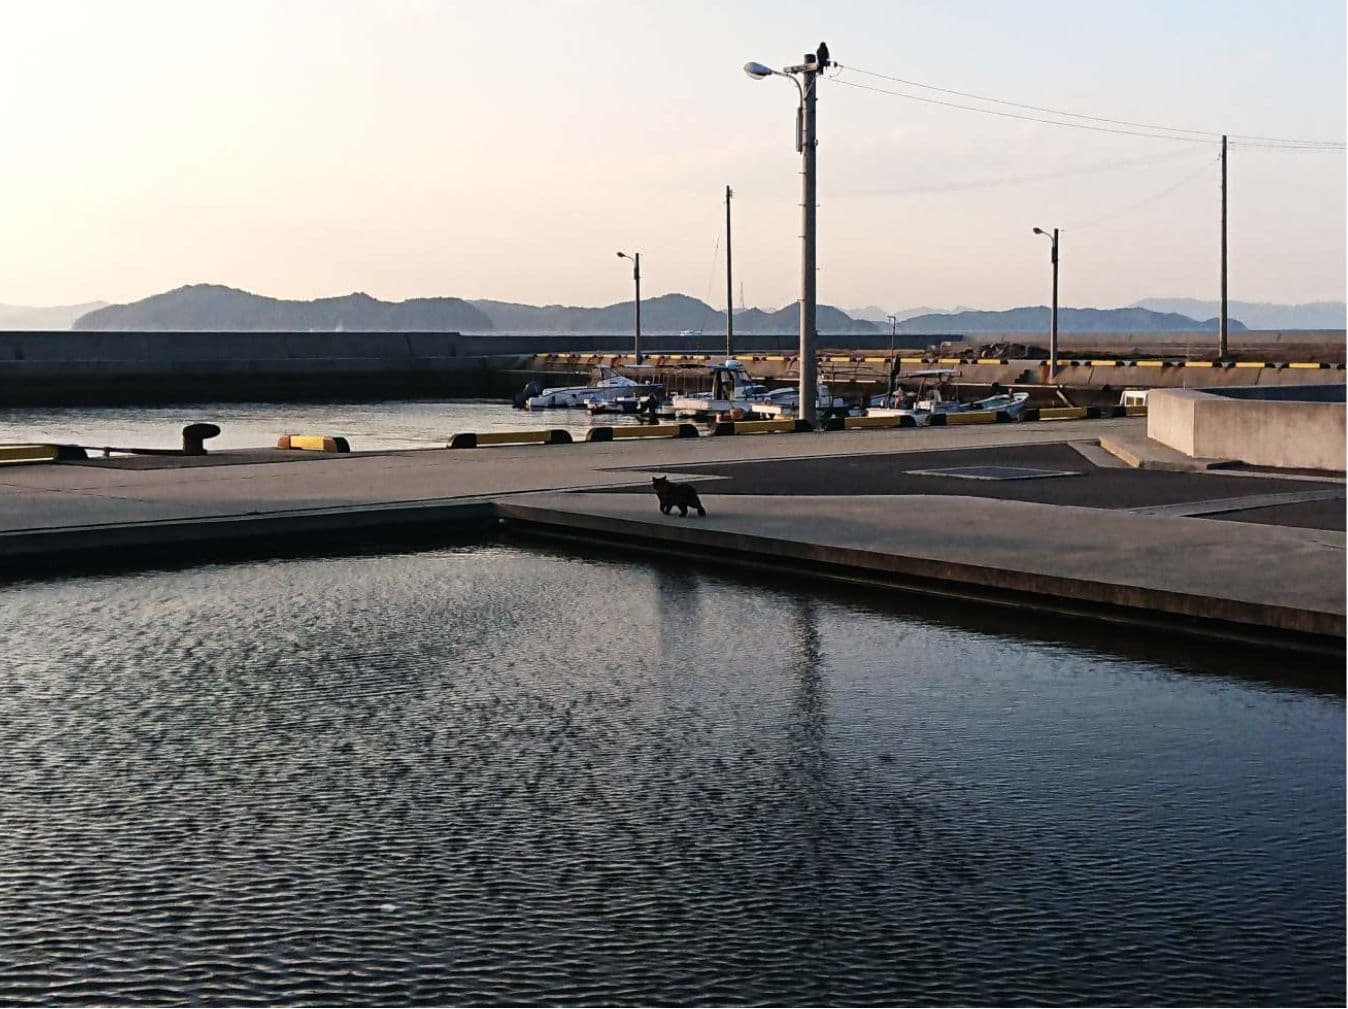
(729, 284)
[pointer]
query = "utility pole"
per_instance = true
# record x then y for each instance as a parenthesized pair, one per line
(809, 381)
(1221, 340)
(729, 286)
(805, 76)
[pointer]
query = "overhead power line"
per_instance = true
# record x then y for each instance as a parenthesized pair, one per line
(1099, 124)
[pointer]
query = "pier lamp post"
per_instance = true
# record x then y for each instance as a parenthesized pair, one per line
(805, 76)
(636, 278)
(1053, 323)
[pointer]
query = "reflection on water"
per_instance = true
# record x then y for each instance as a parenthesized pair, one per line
(384, 425)
(492, 775)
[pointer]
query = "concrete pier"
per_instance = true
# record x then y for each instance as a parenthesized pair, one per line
(1084, 537)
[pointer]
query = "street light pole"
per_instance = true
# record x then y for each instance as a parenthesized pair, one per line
(806, 78)
(1053, 318)
(893, 361)
(729, 285)
(636, 279)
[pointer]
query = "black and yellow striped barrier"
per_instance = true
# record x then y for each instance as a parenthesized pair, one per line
(642, 431)
(725, 427)
(544, 436)
(313, 443)
(16, 454)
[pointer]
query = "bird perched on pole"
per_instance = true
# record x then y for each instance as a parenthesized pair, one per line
(821, 55)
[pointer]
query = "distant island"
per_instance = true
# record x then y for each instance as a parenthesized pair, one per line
(46, 317)
(1035, 319)
(215, 308)
(1318, 315)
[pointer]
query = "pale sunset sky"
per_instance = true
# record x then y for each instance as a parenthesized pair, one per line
(507, 149)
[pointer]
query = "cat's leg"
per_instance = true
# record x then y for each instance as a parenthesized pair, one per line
(683, 511)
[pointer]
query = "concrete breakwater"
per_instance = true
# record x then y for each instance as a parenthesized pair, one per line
(60, 368)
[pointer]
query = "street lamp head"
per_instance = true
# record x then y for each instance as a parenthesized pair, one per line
(622, 255)
(758, 71)
(1040, 231)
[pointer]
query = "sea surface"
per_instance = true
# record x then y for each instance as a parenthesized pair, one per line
(390, 424)
(504, 775)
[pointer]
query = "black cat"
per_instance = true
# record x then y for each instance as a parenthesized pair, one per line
(676, 495)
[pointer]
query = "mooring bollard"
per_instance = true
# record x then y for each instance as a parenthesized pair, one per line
(195, 435)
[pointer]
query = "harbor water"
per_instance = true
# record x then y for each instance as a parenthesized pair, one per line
(388, 424)
(493, 774)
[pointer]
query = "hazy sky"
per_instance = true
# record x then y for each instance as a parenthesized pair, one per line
(507, 149)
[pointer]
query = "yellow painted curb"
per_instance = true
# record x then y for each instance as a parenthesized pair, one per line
(1150, 364)
(513, 437)
(28, 453)
(1305, 364)
(1250, 364)
(645, 431)
(764, 426)
(869, 423)
(912, 360)
(1063, 413)
(1105, 364)
(1198, 364)
(971, 417)
(313, 443)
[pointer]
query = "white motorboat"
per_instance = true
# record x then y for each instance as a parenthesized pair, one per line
(923, 410)
(732, 388)
(785, 402)
(609, 386)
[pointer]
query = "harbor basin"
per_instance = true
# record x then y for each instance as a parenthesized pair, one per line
(499, 774)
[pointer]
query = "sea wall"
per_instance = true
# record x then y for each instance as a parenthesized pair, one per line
(117, 367)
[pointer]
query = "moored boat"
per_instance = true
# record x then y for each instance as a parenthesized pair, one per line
(609, 386)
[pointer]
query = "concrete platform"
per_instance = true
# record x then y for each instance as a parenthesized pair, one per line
(1120, 565)
(1234, 579)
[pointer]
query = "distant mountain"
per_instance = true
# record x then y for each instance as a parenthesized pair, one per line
(211, 307)
(1259, 314)
(666, 314)
(1070, 320)
(55, 317)
(876, 314)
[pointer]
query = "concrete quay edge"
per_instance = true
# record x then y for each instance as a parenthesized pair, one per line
(1189, 612)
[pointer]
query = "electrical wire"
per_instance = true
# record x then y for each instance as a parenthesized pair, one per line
(711, 276)
(1118, 126)
(994, 183)
(1146, 200)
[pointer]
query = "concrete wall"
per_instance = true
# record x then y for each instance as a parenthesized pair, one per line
(1296, 434)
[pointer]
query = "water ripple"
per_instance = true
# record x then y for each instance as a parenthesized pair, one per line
(495, 777)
